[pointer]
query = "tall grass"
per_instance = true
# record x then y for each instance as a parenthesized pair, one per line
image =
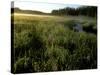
(46, 45)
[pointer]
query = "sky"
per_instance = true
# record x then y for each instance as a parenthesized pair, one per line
(43, 7)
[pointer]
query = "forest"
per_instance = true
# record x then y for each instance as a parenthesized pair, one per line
(90, 11)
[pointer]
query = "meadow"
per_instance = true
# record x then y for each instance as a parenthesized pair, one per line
(45, 43)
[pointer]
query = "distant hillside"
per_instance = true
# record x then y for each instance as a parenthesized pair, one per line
(17, 10)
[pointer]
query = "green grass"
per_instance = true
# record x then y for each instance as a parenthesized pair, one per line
(50, 44)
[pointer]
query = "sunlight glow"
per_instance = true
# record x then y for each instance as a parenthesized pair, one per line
(44, 7)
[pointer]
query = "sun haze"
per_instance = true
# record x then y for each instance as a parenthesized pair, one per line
(43, 7)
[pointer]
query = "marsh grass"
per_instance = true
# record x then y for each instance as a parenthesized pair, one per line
(49, 44)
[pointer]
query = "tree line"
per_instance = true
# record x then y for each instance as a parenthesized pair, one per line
(83, 10)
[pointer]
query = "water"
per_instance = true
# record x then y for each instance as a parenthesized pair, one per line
(78, 27)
